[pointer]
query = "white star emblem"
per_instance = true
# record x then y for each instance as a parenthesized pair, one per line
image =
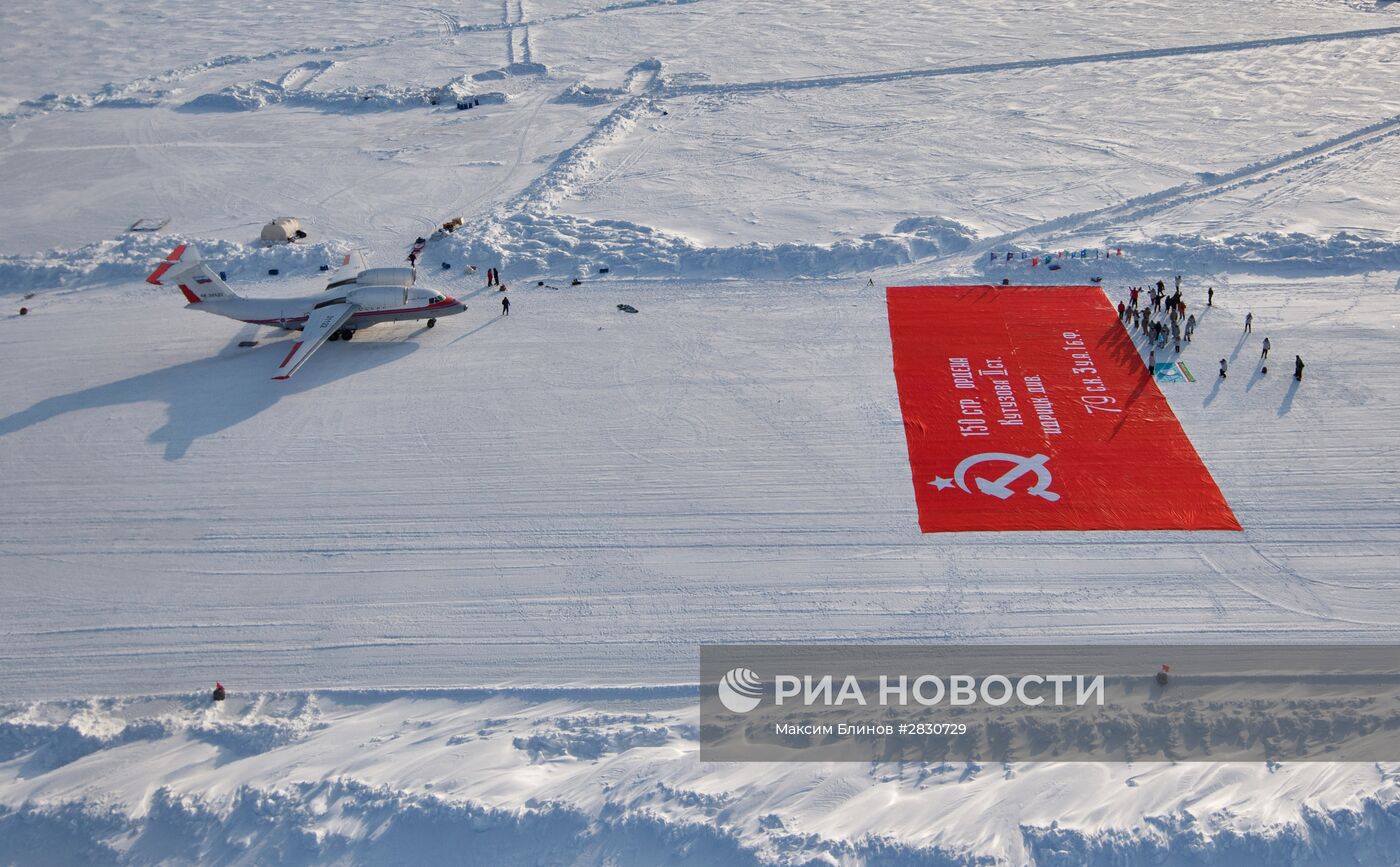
(941, 483)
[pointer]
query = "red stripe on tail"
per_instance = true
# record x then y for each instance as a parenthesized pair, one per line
(169, 263)
(154, 279)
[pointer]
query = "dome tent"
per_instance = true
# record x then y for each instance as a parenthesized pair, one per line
(282, 230)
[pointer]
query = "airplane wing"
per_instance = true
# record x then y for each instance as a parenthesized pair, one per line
(325, 319)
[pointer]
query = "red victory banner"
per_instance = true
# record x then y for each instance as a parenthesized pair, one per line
(1029, 408)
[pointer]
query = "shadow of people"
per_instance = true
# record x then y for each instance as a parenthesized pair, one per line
(212, 394)
(1256, 376)
(1239, 345)
(1214, 391)
(1288, 398)
(487, 324)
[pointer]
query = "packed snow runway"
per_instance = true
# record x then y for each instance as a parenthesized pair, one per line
(482, 556)
(573, 494)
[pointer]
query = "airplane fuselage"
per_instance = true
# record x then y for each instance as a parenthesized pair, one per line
(291, 313)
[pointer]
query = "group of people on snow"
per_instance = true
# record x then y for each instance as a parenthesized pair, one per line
(1161, 317)
(1163, 320)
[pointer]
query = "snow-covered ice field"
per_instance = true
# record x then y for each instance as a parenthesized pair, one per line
(456, 578)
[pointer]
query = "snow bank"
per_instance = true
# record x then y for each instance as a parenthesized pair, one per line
(592, 736)
(533, 243)
(1369, 834)
(1268, 253)
(148, 91)
(255, 95)
(132, 256)
(511, 69)
(490, 777)
(293, 88)
(262, 733)
(573, 166)
(645, 75)
(348, 821)
(536, 242)
(579, 93)
(46, 744)
(1273, 253)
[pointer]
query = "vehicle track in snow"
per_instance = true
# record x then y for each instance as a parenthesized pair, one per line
(856, 78)
(1139, 207)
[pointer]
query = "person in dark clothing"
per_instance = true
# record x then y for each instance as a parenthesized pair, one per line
(1224, 366)
(1248, 323)
(1210, 296)
(219, 693)
(505, 306)
(1298, 367)
(1265, 354)
(1121, 307)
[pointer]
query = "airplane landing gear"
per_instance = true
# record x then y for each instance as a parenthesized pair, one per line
(347, 334)
(334, 337)
(432, 322)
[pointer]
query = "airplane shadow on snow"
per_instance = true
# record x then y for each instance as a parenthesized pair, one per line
(213, 394)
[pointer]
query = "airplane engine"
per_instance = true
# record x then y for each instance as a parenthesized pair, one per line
(378, 297)
(400, 277)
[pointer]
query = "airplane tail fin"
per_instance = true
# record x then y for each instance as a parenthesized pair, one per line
(184, 267)
(350, 267)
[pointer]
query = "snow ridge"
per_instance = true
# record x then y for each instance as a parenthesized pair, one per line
(131, 256)
(147, 91)
(1292, 254)
(540, 244)
(344, 819)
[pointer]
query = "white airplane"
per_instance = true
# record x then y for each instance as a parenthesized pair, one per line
(362, 297)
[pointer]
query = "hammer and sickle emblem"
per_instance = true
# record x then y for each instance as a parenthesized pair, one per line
(999, 487)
